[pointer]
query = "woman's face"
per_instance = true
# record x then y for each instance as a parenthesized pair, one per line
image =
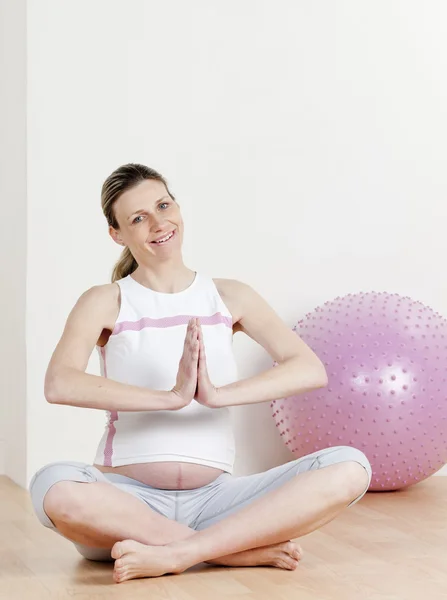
(149, 220)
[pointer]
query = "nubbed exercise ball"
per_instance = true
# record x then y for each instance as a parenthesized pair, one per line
(386, 361)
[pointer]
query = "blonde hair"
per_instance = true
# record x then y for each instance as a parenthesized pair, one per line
(122, 179)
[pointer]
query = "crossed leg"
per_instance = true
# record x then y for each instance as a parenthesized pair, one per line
(303, 504)
(97, 515)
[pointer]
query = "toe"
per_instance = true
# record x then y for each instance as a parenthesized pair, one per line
(294, 550)
(286, 562)
(292, 563)
(117, 551)
(289, 547)
(126, 546)
(121, 576)
(116, 577)
(295, 564)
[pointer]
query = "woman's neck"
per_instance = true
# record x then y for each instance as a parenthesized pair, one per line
(168, 279)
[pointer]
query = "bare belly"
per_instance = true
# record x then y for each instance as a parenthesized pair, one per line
(167, 475)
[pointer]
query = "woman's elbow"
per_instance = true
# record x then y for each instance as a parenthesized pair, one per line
(321, 378)
(51, 395)
(52, 388)
(313, 371)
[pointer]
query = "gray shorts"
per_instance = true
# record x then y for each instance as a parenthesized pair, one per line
(197, 508)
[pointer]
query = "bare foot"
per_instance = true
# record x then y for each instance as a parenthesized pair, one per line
(134, 560)
(285, 555)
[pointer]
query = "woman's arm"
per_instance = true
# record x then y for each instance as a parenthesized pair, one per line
(66, 381)
(298, 369)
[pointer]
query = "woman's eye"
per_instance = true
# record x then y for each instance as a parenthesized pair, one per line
(164, 204)
(135, 220)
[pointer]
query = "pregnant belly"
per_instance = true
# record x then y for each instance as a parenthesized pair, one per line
(167, 475)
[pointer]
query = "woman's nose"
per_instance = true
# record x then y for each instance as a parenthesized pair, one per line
(156, 222)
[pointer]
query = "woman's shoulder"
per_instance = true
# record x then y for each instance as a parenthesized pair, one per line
(234, 294)
(230, 286)
(104, 299)
(101, 292)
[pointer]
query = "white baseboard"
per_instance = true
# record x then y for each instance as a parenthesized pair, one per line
(443, 471)
(2, 457)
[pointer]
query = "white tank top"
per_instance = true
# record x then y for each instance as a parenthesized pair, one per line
(144, 349)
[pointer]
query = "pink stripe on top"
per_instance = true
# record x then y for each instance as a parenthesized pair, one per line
(165, 322)
(108, 448)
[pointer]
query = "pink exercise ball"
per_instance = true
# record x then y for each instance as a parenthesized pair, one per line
(386, 361)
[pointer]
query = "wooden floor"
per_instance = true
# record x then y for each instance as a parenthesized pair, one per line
(389, 546)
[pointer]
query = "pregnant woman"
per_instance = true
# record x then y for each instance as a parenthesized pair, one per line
(160, 495)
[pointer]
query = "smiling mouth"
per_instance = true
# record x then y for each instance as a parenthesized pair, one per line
(164, 240)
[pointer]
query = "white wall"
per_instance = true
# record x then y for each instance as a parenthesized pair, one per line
(305, 142)
(13, 238)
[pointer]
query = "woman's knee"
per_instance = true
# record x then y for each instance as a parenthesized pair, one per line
(357, 472)
(64, 502)
(357, 480)
(55, 491)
